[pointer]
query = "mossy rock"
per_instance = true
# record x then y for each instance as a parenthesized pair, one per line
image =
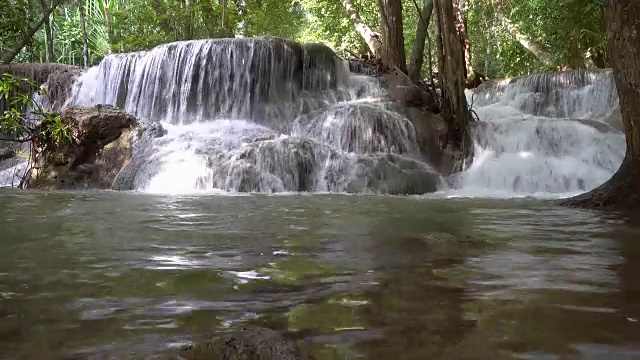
(248, 343)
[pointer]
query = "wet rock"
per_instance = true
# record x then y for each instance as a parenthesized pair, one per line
(412, 96)
(141, 158)
(408, 94)
(392, 174)
(58, 79)
(431, 132)
(7, 153)
(103, 146)
(321, 67)
(421, 108)
(614, 119)
(287, 164)
(474, 80)
(600, 126)
(249, 343)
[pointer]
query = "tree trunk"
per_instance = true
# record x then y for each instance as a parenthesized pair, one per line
(224, 22)
(451, 69)
(30, 33)
(417, 52)
(83, 25)
(51, 56)
(107, 23)
(522, 38)
(622, 19)
(393, 54)
(371, 38)
(461, 26)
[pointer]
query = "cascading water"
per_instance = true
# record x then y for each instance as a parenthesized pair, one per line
(550, 134)
(259, 115)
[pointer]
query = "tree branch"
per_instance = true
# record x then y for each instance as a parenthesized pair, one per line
(31, 32)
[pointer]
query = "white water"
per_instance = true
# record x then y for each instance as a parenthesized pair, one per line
(264, 115)
(256, 115)
(547, 135)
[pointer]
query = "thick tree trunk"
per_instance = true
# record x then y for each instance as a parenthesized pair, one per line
(451, 69)
(417, 52)
(393, 54)
(521, 37)
(83, 25)
(30, 33)
(622, 20)
(51, 56)
(370, 37)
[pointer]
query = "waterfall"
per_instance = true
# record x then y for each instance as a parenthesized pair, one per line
(258, 115)
(549, 134)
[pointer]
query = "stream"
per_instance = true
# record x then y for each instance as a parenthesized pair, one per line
(115, 275)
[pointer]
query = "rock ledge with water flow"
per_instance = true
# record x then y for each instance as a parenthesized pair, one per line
(104, 141)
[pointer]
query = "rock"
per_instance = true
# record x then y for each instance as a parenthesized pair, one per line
(413, 96)
(474, 80)
(614, 119)
(408, 94)
(431, 132)
(600, 126)
(38, 72)
(7, 153)
(58, 78)
(104, 145)
(59, 85)
(393, 174)
(249, 343)
(421, 108)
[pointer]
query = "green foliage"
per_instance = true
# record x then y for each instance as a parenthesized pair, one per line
(328, 23)
(41, 126)
(13, 23)
(572, 31)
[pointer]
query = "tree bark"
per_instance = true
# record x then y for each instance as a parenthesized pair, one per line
(461, 25)
(83, 25)
(417, 52)
(521, 37)
(51, 56)
(224, 19)
(370, 37)
(622, 20)
(451, 70)
(30, 34)
(393, 54)
(107, 23)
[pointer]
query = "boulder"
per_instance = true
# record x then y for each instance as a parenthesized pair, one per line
(103, 145)
(248, 343)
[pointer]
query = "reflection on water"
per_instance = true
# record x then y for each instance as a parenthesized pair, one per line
(116, 275)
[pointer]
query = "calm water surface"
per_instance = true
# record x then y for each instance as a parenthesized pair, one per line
(131, 276)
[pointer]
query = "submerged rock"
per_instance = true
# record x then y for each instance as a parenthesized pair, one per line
(249, 343)
(104, 141)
